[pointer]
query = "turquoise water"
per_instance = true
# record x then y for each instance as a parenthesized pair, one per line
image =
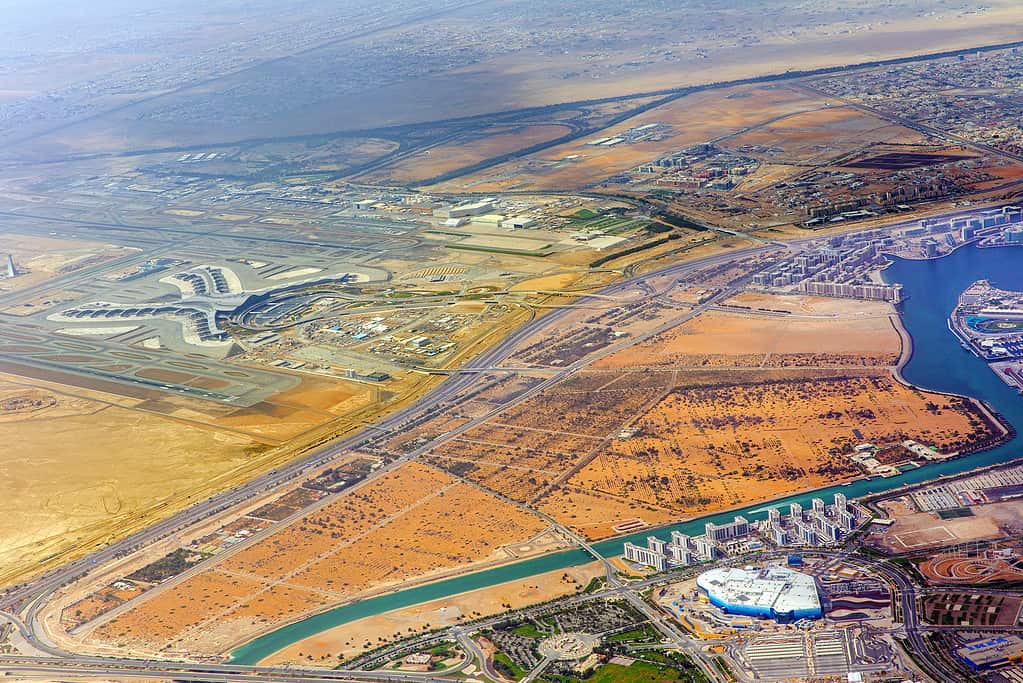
(932, 288)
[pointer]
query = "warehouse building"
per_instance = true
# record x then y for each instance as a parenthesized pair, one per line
(991, 652)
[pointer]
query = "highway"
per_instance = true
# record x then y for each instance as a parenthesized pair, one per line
(29, 595)
(904, 600)
(107, 667)
(904, 595)
(28, 598)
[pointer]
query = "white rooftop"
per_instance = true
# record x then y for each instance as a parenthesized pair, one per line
(777, 588)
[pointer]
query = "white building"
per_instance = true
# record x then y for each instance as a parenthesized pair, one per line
(772, 592)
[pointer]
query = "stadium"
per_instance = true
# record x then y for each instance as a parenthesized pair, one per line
(770, 593)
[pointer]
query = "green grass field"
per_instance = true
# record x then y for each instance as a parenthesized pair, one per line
(505, 665)
(637, 672)
(644, 633)
(528, 630)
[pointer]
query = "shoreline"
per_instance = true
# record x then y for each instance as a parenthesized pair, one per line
(906, 355)
(592, 567)
(907, 350)
(382, 591)
(230, 653)
(990, 415)
(971, 344)
(909, 488)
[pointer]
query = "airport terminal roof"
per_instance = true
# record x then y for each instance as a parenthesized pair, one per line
(776, 590)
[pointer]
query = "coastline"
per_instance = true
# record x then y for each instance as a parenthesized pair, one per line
(420, 582)
(907, 350)
(452, 575)
(990, 415)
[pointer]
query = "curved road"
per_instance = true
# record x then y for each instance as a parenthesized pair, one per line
(29, 596)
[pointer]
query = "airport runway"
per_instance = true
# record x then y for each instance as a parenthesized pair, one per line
(19, 597)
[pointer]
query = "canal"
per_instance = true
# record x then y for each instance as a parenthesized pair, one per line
(939, 362)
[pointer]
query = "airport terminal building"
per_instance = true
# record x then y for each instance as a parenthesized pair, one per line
(775, 593)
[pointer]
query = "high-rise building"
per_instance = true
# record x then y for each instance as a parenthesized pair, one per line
(706, 549)
(655, 544)
(737, 528)
(681, 540)
(846, 520)
(795, 511)
(645, 556)
(828, 529)
(841, 502)
(1013, 235)
(806, 534)
(680, 556)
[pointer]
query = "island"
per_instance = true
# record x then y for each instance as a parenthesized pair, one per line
(989, 324)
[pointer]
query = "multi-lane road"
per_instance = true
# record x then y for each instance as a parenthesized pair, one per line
(27, 599)
(904, 595)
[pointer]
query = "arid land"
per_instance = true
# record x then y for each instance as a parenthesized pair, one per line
(349, 640)
(652, 404)
(804, 379)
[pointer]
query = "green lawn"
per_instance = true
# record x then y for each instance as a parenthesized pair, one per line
(528, 630)
(638, 672)
(505, 665)
(644, 633)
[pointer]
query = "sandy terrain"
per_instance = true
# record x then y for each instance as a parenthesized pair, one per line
(350, 639)
(818, 136)
(525, 78)
(555, 281)
(80, 468)
(405, 525)
(775, 390)
(527, 448)
(760, 397)
(861, 335)
(699, 449)
(464, 151)
(917, 531)
(694, 118)
(595, 514)
(313, 403)
(39, 259)
(71, 496)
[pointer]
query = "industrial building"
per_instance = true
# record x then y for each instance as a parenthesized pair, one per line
(775, 593)
(991, 652)
(479, 208)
